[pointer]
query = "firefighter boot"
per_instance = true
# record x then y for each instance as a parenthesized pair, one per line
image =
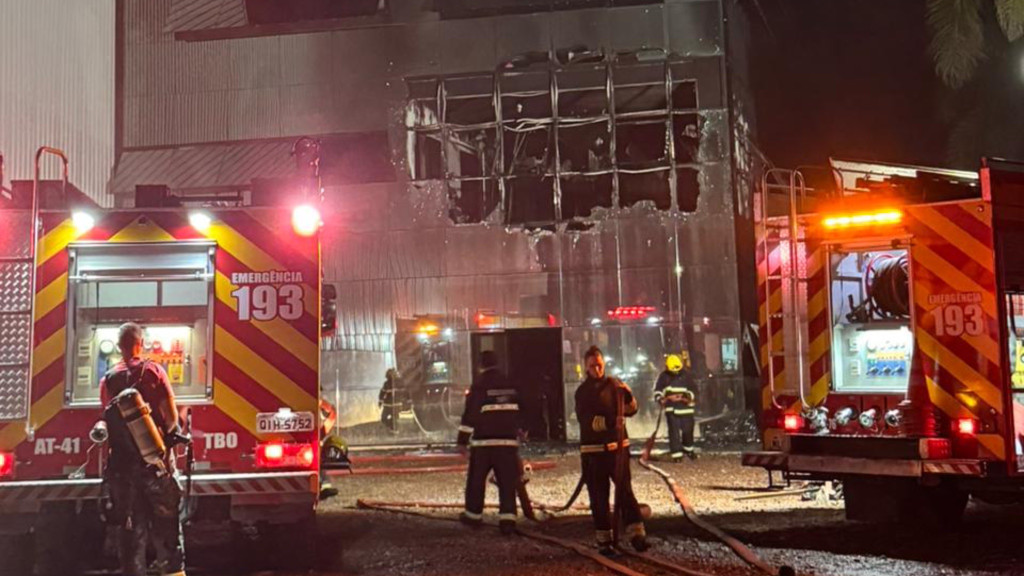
(471, 519)
(637, 537)
(605, 544)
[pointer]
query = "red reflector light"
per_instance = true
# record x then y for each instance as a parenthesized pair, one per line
(285, 455)
(306, 456)
(792, 422)
(966, 426)
(6, 464)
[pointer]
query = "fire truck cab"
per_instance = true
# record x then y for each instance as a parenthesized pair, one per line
(229, 299)
(892, 334)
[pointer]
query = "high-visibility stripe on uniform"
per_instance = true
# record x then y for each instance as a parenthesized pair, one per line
(491, 442)
(609, 447)
(679, 411)
(507, 517)
(499, 408)
(502, 392)
(466, 429)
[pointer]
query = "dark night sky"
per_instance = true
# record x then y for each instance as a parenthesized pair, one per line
(844, 78)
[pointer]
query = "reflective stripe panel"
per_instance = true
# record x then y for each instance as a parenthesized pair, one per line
(502, 392)
(493, 442)
(466, 429)
(609, 447)
(511, 517)
(500, 408)
(679, 411)
(677, 390)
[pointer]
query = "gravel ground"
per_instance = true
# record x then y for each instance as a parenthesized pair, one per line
(813, 537)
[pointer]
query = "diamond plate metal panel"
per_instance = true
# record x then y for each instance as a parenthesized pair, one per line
(14, 338)
(13, 381)
(15, 286)
(15, 233)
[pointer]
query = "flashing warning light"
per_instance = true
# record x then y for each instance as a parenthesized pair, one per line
(630, 312)
(863, 219)
(270, 452)
(428, 328)
(487, 321)
(6, 464)
(966, 426)
(201, 221)
(305, 220)
(792, 422)
(82, 221)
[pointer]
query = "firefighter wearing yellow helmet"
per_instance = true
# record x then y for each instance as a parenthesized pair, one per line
(675, 390)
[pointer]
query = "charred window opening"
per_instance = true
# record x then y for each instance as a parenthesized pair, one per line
(530, 200)
(686, 138)
(608, 133)
(584, 148)
(528, 150)
(471, 153)
(582, 194)
(472, 201)
(687, 189)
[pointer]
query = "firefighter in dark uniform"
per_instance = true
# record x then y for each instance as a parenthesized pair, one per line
(144, 492)
(602, 405)
(490, 427)
(388, 400)
(675, 391)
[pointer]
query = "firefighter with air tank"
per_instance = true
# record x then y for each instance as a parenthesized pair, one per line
(141, 486)
(491, 425)
(675, 391)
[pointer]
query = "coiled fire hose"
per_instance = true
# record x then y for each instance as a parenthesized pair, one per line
(741, 549)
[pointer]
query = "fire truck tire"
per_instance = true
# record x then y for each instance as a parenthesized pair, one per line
(295, 545)
(55, 545)
(939, 506)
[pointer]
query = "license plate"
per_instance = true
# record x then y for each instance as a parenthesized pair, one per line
(267, 422)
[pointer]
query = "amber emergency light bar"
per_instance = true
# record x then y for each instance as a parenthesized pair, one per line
(862, 219)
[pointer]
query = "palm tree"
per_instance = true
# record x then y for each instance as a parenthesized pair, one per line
(978, 51)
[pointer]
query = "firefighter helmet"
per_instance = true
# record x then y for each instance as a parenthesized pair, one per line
(673, 363)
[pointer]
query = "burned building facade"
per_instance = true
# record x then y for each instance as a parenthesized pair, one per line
(530, 177)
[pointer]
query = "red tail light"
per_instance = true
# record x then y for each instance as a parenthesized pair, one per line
(966, 426)
(6, 464)
(285, 455)
(792, 422)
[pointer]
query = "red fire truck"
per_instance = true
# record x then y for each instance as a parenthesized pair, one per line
(892, 334)
(229, 299)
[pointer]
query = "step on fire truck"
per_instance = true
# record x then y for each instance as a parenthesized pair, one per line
(892, 335)
(229, 299)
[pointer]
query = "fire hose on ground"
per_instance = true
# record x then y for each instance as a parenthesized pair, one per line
(530, 508)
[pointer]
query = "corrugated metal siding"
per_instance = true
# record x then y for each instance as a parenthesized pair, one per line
(203, 166)
(57, 88)
(205, 14)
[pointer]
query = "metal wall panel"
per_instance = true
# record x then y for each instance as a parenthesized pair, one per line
(57, 88)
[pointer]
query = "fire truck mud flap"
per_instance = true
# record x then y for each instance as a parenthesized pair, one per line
(769, 460)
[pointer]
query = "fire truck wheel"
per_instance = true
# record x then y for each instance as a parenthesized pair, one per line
(939, 506)
(295, 545)
(54, 543)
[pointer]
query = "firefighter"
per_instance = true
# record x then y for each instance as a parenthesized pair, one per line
(602, 405)
(675, 391)
(143, 486)
(491, 428)
(388, 400)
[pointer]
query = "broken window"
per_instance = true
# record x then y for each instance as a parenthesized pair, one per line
(472, 200)
(530, 200)
(581, 194)
(609, 135)
(687, 189)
